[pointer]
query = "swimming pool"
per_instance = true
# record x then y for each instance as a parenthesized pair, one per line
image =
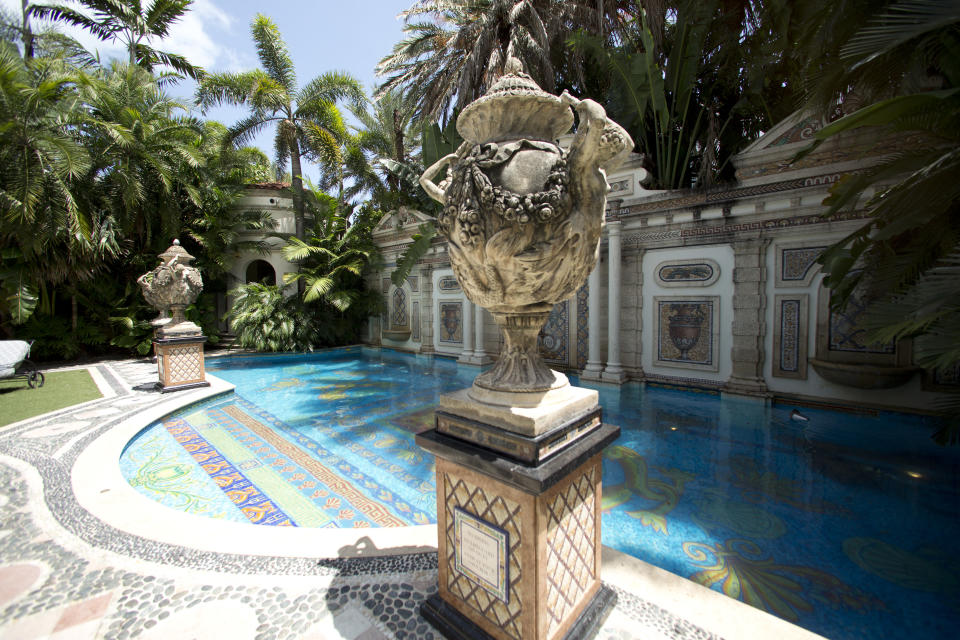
(846, 524)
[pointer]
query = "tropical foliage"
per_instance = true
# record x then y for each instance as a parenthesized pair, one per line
(906, 258)
(307, 120)
(130, 22)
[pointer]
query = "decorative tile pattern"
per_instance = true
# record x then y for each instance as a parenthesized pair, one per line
(687, 331)
(687, 273)
(845, 333)
(415, 321)
(583, 325)
(503, 513)
(796, 263)
(448, 284)
(570, 530)
(731, 229)
(801, 132)
(553, 339)
(621, 188)
(450, 329)
(183, 363)
(790, 336)
(400, 319)
(256, 506)
(414, 283)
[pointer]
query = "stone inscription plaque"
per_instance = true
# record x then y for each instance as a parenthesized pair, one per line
(481, 553)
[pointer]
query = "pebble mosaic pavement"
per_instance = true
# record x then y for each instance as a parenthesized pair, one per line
(66, 574)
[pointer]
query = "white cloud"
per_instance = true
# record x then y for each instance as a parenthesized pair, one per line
(199, 36)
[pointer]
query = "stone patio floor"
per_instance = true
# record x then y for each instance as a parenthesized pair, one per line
(82, 555)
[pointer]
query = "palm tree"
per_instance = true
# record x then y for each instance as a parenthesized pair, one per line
(144, 150)
(130, 22)
(386, 134)
(332, 259)
(454, 50)
(308, 123)
(40, 160)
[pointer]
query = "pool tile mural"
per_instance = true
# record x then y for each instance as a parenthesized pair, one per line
(846, 524)
(687, 273)
(583, 326)
(687, 331)
(399, 318)
(448, 284)
(846, 332)
(795, 264)
(415, 321)
(790, 336)
(553, 339)
(450, 329)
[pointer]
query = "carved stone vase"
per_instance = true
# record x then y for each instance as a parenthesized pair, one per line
(523, 217)
(170, 288)
(518, 454)
(178, 343)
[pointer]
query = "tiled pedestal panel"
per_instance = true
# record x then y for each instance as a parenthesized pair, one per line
(550, 575)
(180, 363)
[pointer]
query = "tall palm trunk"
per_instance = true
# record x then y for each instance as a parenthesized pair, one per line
(27, 33)
(296, 179)
(296, 185)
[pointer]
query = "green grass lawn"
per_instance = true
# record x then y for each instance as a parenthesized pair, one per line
(62, 389)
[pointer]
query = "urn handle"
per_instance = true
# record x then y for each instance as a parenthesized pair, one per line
(426, 180)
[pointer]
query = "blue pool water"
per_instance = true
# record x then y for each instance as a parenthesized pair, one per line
(846, 524)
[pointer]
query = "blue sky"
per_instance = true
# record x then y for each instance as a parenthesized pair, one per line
(322, 35)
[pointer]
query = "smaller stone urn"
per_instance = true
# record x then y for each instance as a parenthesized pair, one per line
(178, 343)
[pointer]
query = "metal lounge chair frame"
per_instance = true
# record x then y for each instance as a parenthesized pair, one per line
(14, 364)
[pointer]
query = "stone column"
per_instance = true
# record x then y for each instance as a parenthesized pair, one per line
(594, 367)
(749, 311)
(613, 372)
(480, 355)
(631, 308)
(466, 356)
(426, 309)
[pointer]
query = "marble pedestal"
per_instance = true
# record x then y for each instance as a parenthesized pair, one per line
(180, 363)
(518, 520)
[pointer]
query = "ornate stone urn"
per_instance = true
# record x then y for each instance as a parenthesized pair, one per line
(523, 217)
(518, 453)
(685, 326)
(178, 343)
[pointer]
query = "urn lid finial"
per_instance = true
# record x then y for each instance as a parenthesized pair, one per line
(515, 107)
(178, 252)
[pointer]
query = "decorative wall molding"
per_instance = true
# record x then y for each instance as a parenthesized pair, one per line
(791, 318)
(695, 272)
(726, 193)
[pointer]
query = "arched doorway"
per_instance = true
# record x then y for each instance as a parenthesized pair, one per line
(261, 271)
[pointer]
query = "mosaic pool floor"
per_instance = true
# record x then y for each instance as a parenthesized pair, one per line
(846, 525)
